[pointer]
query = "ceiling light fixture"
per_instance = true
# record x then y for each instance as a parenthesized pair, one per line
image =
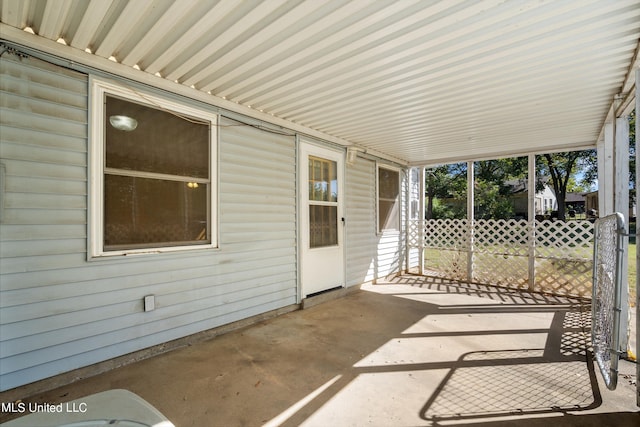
(124, 123)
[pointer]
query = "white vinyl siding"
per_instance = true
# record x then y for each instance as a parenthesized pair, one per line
(58, 311)
(370, 255)
(390, 255)
(361, 222)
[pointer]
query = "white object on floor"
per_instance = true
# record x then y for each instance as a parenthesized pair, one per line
(120, 408)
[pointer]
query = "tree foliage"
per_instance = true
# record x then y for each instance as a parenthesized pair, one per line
(445, 182)
(560, 168)
(446, 188)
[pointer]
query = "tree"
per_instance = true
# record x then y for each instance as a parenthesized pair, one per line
(559, 167)
(436, 180)
(494, 186)
(499, 171)
(490, 202)
(443, 182)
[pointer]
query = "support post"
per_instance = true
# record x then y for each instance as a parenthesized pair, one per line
(621, 168)
(621, 204)
(531, 219)
(605, 171)
(470, 218)
(637, 240)
(422, 223)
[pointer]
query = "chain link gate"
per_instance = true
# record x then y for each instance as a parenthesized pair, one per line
(606, 305)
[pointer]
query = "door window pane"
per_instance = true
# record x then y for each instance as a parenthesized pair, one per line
(323, 226)
(323, 180)
(323, 202)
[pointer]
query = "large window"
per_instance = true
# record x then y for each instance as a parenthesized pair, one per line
(388, 199)
(153, 173)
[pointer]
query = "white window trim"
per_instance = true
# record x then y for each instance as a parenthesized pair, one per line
(98, 90)
(388, 230)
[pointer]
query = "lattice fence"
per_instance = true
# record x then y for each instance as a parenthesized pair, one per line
(502, 252)
(450, 234)
(564, 251)
(447, 244)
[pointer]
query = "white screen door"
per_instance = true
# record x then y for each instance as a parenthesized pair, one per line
(321, 219)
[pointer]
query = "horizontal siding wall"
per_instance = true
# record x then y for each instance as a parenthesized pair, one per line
(370, 255)
(390, 254)
(361, 222)
(257, 212)
(59, 311)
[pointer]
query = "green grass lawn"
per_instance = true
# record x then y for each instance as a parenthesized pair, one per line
(437, 260)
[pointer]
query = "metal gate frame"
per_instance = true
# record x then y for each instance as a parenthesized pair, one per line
(606, 304)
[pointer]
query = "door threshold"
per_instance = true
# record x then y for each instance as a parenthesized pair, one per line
(326, 291)
(327, 295)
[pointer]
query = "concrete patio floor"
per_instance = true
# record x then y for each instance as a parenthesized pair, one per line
(412, 352)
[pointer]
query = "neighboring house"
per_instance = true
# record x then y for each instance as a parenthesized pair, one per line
(575, 202)
(545, 200)
(591, 204)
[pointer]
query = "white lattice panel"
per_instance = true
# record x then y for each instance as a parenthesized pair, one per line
(501, 270)
(564, 277)
(448, 264)
(504, 237)
(564, 239)
(447, 234)
(563, 257)
(501, 249)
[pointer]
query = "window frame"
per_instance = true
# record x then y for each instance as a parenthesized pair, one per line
(380, 230)
(99, 89)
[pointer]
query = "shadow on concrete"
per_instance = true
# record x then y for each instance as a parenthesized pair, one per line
(523, 383)
(555, 379)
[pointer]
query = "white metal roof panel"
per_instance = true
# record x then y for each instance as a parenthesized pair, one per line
(421, 81)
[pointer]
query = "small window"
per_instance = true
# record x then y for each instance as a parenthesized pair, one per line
(153, 165)
(388, 199)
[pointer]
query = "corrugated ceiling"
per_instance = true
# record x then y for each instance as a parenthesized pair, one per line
(421, 81)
